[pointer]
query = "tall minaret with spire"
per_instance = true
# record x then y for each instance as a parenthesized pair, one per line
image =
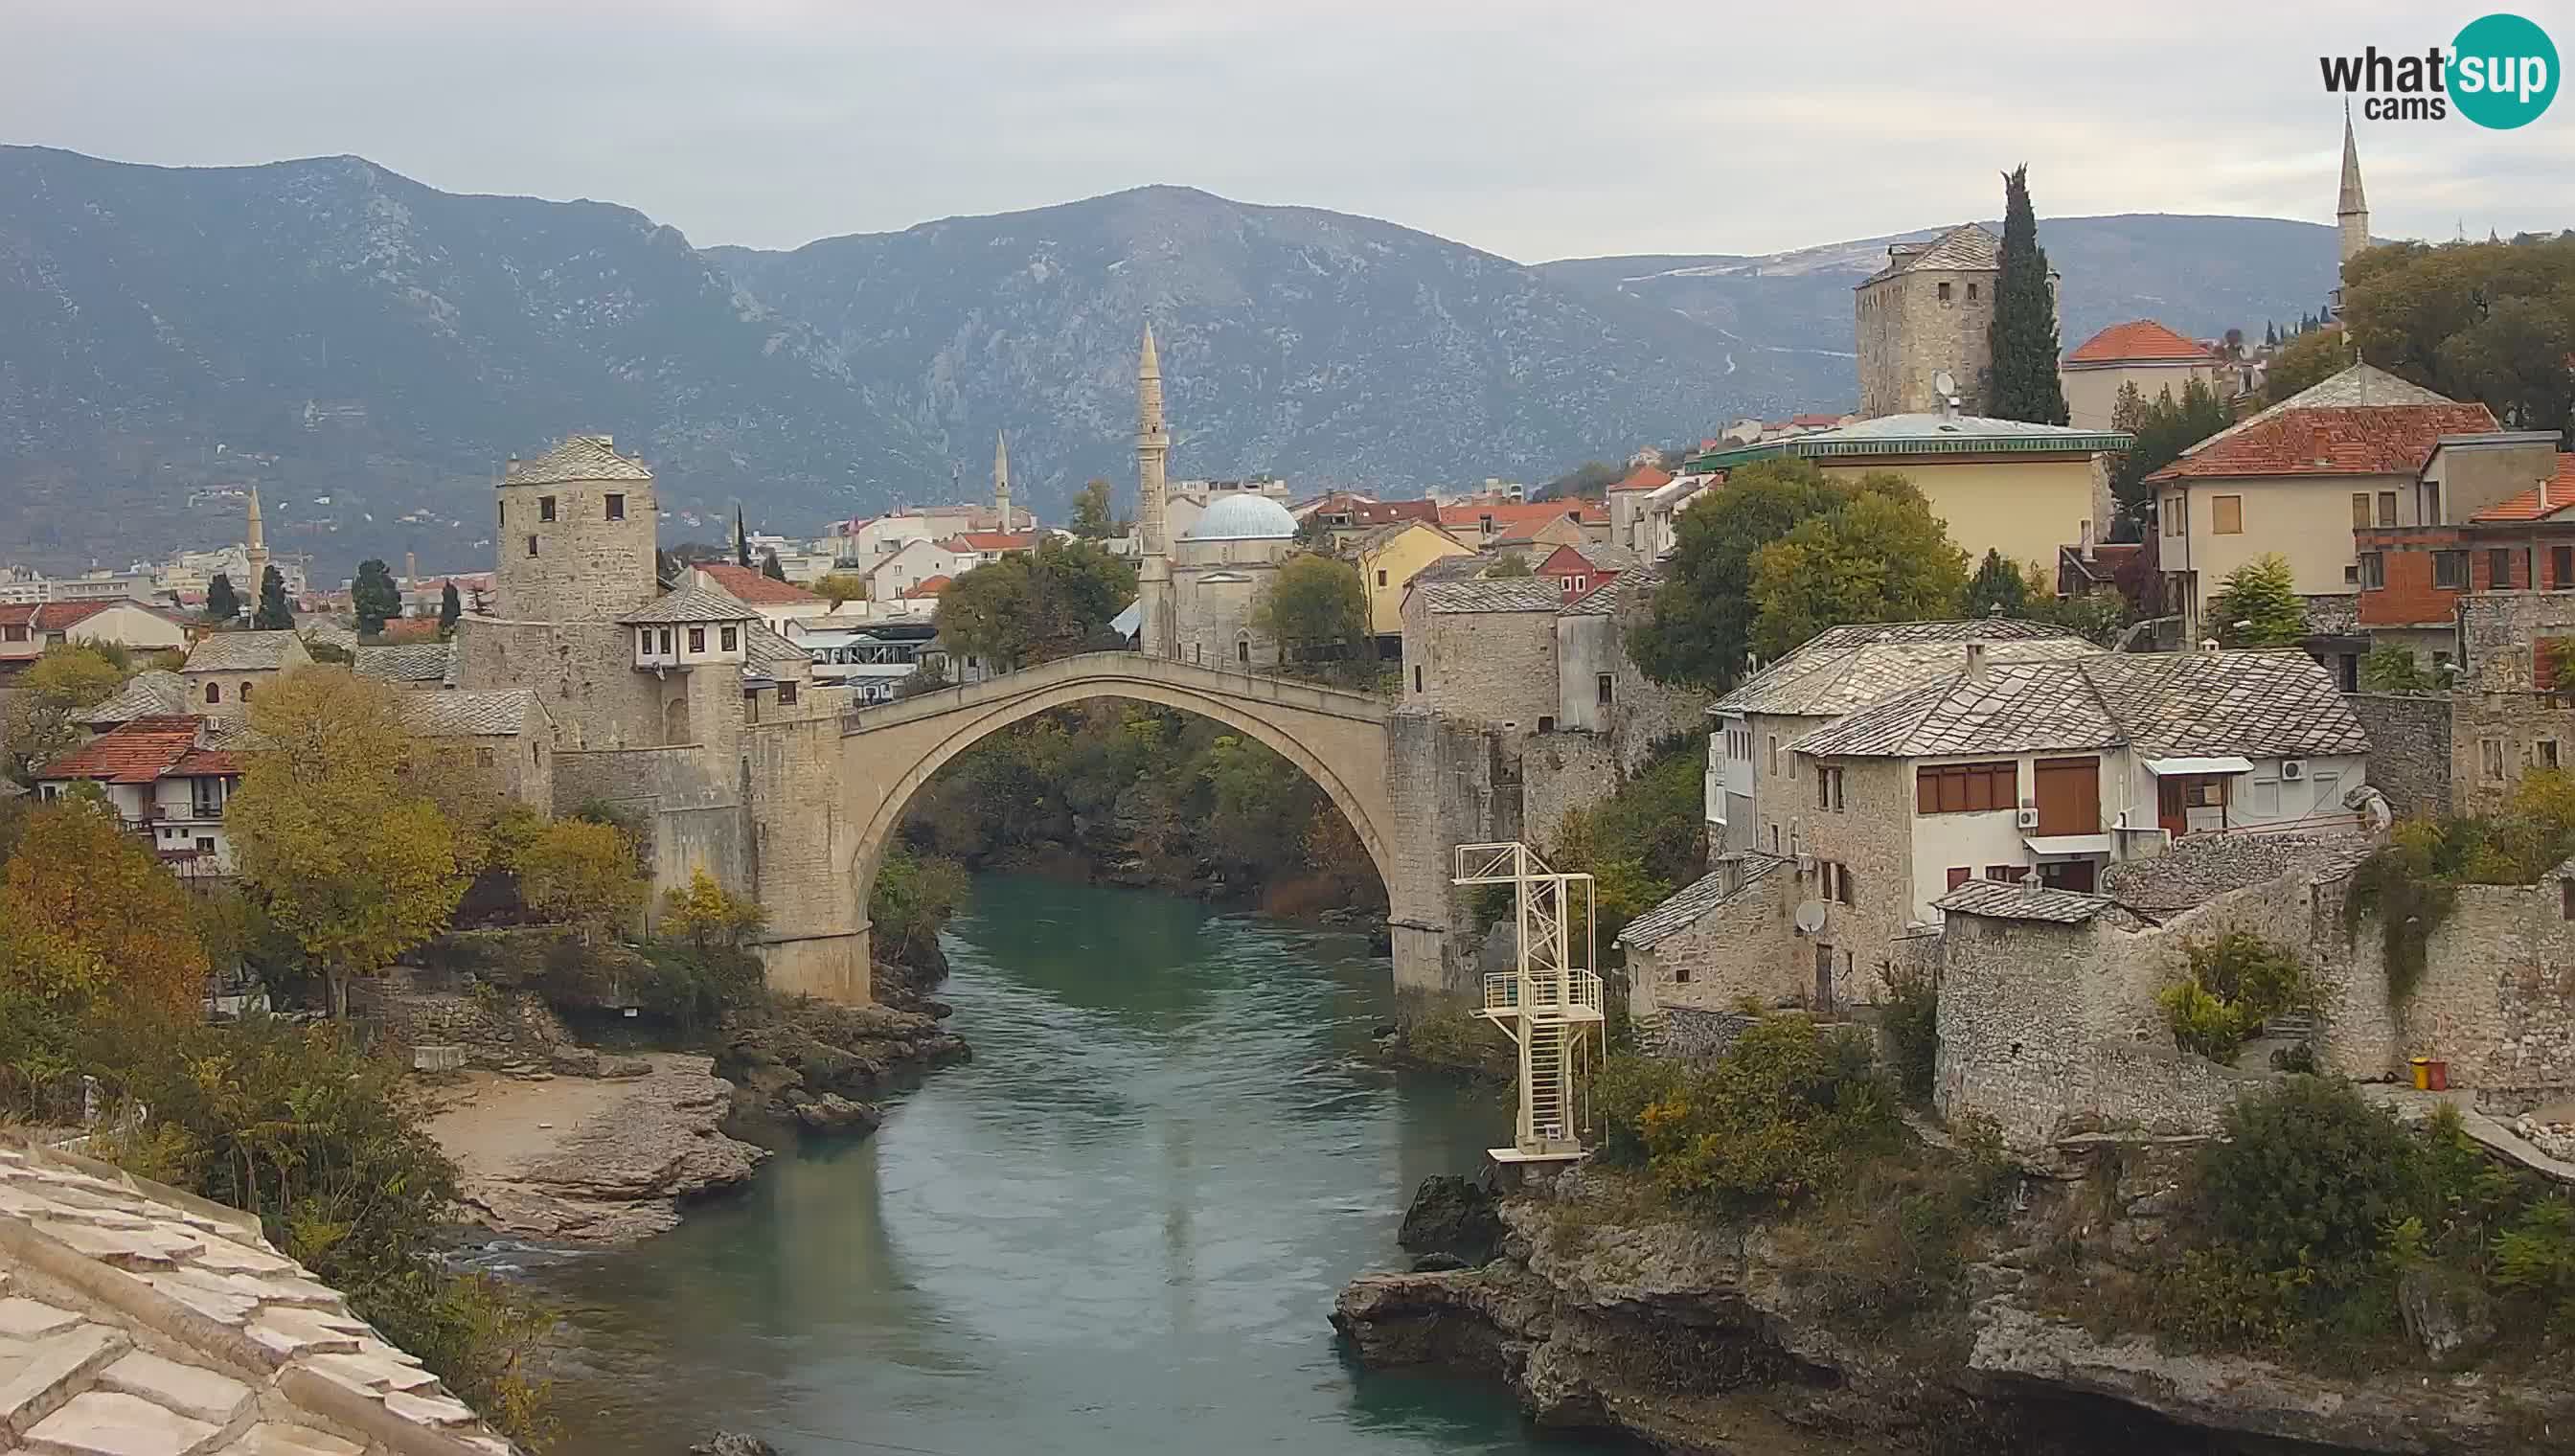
(1154, 633)
(2352, 212)
(1001, 480)
(255, 550)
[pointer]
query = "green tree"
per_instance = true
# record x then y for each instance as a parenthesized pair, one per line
(272, 614)
(41, 719)
(2310, 359)
(1033, 607)
(770, 568)
(1998, 589)
(223, 604)
(1697, 626)
(2163, 428)
(1510, 563)
(375, 596)
(583, 874)
(912, 899)
(1880, 557)
(2492, 322)
(116, 920)
(2259, 606)
(841, 588)
(1091, 517)
(1318, 613)
(451, 610)
(706, 914)
(2393, 668)
(351, 860)
(322, 649)
(2023, 337)
(741, 540)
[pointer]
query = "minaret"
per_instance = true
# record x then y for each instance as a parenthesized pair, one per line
(255, 550)
(1154, 635)
(1001, 480)
(2352, 212)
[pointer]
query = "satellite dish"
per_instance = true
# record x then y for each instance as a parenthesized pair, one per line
(1810, 917)
(1944, 383)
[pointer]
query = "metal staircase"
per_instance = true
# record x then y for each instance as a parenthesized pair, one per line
(1548, 1004)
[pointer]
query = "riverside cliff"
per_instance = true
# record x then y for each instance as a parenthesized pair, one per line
(1600, 1311)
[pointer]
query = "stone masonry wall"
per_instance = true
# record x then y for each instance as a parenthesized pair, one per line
(1742, 950)
(695, 818)
(1563, 772)
(2502, 725)
(1908, 332)
(802, 857)
(1870, 836)
(2409, 749)
(585, 565)
(584, 673)
(1491, 667)
(1452, 783)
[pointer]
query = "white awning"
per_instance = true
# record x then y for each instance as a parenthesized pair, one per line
(2066, 846)
(2165, 768)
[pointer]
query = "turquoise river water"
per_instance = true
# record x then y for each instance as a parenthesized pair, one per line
(1119, 1229)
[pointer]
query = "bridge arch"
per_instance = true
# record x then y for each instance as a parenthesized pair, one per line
(1339, 740)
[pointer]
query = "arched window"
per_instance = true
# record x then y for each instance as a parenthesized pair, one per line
(214, 692)
(245, 693)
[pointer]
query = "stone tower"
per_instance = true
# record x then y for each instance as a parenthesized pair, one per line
(1929, 308)
(1002, 481)
(2351, 210)
(1154, 631)
(577, 528)
(255, 551)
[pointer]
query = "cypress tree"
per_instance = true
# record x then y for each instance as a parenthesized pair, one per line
(373, 596)
(770, 568)
(450, 610)
(2023, 338)
(223, 604)
(272, 614)
(741, 540)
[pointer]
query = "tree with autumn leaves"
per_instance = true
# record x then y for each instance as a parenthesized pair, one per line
(88, 917)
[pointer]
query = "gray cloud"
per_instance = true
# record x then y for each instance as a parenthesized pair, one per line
(1532, 130)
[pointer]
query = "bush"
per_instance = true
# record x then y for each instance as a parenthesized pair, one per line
(706, 914)
(1912, 1021)
(2237, 982)
(2308, 1175)
(1787, 1112)
(913, 898)
(694, 988)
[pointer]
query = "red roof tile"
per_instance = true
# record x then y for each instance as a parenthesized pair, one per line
(57, 615)
(1814, 422)
(980, 541)
(928, 586)
(2138, 339)
(18, 613)
(135, 753)
(1386, 512)
(748, 586)
(210, 764)
(1516, 519)
(2546, 498)
(2336, 440)
(1644, 478)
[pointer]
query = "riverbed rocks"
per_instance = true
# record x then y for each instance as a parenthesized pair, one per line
(797, 1056)
(1452, 1220)
(622, 1173)
(733, 1443)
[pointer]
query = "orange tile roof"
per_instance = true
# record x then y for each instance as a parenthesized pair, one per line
(2334, 440)
(1511, 519)
(1386, 512)
(1814, 422)
(136, 752)
(748, 586)
(930, 587)
(210, 764)
(1644, 478)
(57, 615)
(996, 540)
(2538, 503)
(2136, 338)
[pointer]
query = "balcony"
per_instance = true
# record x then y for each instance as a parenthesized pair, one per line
(1574, 997)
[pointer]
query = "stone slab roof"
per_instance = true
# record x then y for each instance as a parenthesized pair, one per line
(411, 661)
(765, 648)
(1999, 901)
(578, 457)
(454, 713)
(1694, 901)
(688, 603)
(151, 693)
(1965, 248)
(2201, 867)
(137, 1320)
(2161, 704)
(1503, 594)
(1845, 668)
(240, 652)
(1616, 595)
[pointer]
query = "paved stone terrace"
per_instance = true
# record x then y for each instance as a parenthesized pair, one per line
(137, 1320)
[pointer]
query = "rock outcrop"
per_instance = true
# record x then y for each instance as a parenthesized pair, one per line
(1452, 1219)
(624, 1172)
(821, 1067)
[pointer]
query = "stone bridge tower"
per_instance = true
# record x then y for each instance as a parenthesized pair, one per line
(576, 530)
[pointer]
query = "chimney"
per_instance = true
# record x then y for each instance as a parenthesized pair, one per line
(2208, 644)
(1976, 661)
(2087, 541)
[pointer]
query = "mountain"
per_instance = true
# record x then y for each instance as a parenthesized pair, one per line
(1790, 314)
(368, 349)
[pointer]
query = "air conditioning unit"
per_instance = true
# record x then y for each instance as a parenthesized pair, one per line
(2293, 770)
(2027, 818)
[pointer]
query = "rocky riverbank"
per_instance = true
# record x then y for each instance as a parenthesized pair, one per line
(1695, 1337)
(821, 1067)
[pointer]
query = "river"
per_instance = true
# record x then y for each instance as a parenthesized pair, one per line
(1119, 1229)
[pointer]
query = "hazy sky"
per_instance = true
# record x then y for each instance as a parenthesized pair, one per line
(1534, 130)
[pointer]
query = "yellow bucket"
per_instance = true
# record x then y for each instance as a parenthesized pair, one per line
(2422, 1073)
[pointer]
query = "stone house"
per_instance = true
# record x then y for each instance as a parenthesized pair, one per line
(224, 668)
(1580, 569)
(2297, 480)
(1388, 557)
(165, 781)
(1485, 648)
(910, 563)
(1627, 497)
(2140, 351)
(1927, 310)
(506, 732)
(1555, 523)
(2497, 514)
(2510, 711)
(1998, 485)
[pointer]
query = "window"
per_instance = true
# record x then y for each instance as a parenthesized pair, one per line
(1774, 838)
(1547, 722)
(205, 843)
(667, 648)
(2226, 515)
(545, 508)
(214, 692)
(2175, 519)
(2566, 899)
(1944, 293)
(532, 546)
(2351, 575)
(697, 638)
(2360, 509)
(1681, 967)
(2387, 508)
(1971, 293)
(615, 507)
(1417, 677)
(483, 758)
(14, 634)
(2499, 570)
(1576, 584)
(1828, 789)
(2266, 798)
(2561, 566)
(1959, 874)
(2544, 753)
(1604, 688)
(644, 641)
(245, 693)
(1242, 650)
(2451, 569)
(2209, 791)
(2490, 760)
(1380, 575)
(787, 695)
(505, 513)
(1774, 755)
(730, 638)
(2003, 873)
(1848, 888)
(2373, 570)
(1966, 787)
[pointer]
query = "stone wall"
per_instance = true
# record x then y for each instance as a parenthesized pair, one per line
(584, 567)
(1908, 332)
(1744, 949)
(695, 819)
(2502, 725)
(1563, 772)
(584, 673)
(802, 862)
(1490, 666)
(2409, 749)
(1869, 837)
(1450, 782)
(496, 1027)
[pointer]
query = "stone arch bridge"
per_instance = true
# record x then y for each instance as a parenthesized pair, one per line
(1410, 783)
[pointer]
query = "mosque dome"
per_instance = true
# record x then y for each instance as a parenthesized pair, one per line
(1244, 518)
